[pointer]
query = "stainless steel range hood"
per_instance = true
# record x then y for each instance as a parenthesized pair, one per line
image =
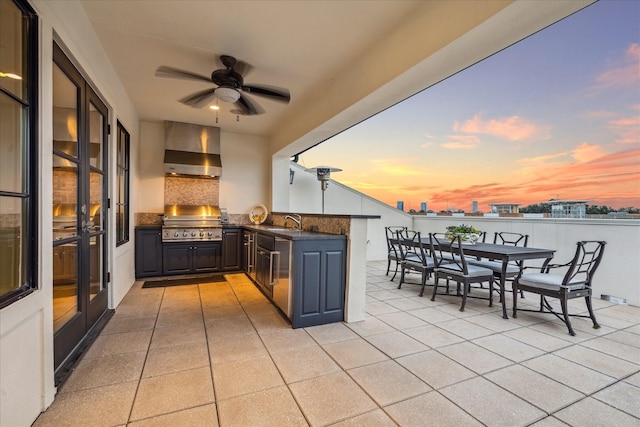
(192, 149)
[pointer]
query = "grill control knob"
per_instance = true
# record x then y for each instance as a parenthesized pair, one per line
(185, 234)
(210, 234)
(193, 234)
(175, 234)
(202, 234)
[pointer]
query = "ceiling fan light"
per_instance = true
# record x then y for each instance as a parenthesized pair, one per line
(227, 94)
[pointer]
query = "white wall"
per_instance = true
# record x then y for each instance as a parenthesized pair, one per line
(619, 272)
(26, 327)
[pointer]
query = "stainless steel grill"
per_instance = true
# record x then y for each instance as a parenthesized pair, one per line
(185, 223)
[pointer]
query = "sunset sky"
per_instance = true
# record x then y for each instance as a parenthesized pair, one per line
(555, 116)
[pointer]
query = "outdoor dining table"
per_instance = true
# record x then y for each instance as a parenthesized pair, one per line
(504, 253)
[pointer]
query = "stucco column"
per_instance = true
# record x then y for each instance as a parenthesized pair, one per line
(355, 293)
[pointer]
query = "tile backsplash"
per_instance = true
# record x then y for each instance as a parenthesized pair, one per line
(180, 190)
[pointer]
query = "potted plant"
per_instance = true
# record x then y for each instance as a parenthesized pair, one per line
(469, 235)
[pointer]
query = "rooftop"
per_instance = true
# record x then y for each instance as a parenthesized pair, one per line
(220, 354)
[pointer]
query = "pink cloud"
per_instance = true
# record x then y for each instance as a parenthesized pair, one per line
(587, 152)
(628, 130)
(624, 74)
(461, 142)
(512, 128)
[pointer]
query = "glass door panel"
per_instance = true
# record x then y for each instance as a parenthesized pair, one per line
(12, 159)
(95, 266)
(96, 126)
(65, 284)
(12, 242)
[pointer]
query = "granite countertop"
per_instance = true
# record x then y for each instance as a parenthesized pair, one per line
(291, 233)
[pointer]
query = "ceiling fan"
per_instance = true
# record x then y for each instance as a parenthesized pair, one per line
(231, 87)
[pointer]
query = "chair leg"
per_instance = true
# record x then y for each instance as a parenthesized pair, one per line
(401, 276)
(563, 303)
(388, 267)
(465, 286)
(435, 288)
(593, 316)
(490, 293)
(395, 272)
(424, 283)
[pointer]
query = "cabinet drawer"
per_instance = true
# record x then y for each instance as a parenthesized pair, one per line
(267, 242)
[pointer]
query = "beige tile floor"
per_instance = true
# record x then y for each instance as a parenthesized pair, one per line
(220, 354)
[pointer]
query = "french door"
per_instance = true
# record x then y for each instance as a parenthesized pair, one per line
(80, 132)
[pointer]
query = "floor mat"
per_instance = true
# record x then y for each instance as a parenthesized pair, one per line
(181, 282)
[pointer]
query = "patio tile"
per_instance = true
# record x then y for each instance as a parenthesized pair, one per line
(624, 312)
(127, 342)
(537, 339)
(274, 407)
(380, 307)
(353, 353)
(201, 416)
(135, 311)
(598, 361)
(569, 373)
(494, 322)
(178, 335)
(101, 371)
(593, 412)
(225, 312)
(491, 404)
(104, 406)
(369, 326)
(388, 382)
(549, 421)
(535, 388)
(611, 320)
(625, 337)
(375, 418)
(222, 328)
(623, 396)
(287, 339)
(431, 315)
(333, 332)
(165, 360)
(396, 344)
(232, 348)
(615, 348)
(634, 379)
(129, 324)
(245, 376)
(384, 295)
(508, 347)
(465, 329)
(432, 336)
(331, 398)
(435, 369)
(405, 304)
(171, 319)
(301, 364)
(430, 409)
(172, 392)
(401, 320)
(475, 357)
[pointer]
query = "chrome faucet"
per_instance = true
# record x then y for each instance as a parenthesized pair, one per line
(298, 220)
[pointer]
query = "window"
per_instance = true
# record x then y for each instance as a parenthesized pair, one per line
(18, 174)
(122, 192)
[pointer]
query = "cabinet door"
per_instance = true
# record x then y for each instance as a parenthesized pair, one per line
(319, 282)
(176, 258)
(231, 249)
(206, 257)
(148, 252)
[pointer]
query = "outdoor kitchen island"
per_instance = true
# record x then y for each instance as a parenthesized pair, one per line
(303, 273)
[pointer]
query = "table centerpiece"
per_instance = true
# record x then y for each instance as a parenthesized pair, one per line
(468, 234)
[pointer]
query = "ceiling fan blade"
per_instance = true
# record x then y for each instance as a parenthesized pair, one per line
(242, 68)
(247, 107)
(199, 99)
(271, 92)
(174, 73)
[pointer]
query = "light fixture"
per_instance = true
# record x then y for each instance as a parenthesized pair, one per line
(323, 173)
(227, 94)
(10, 75)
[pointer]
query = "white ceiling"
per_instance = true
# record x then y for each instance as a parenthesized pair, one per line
(333, 56)
(295, 45)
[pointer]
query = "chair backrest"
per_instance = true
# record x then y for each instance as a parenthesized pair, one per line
(409, 242)
(585, 262)
(511, 239)
(448, 252)
(391, 232)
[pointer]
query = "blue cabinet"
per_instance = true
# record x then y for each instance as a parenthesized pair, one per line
(319, 281)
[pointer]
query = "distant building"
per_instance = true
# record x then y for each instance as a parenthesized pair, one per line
(474, 206)
(505, 208)
(568, 208)
(400, 205)
(423, 206)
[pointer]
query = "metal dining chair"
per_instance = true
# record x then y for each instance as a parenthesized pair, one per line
(574, 283)
(513, 268)
(418, 260)
(393, 251)
(451, 264)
